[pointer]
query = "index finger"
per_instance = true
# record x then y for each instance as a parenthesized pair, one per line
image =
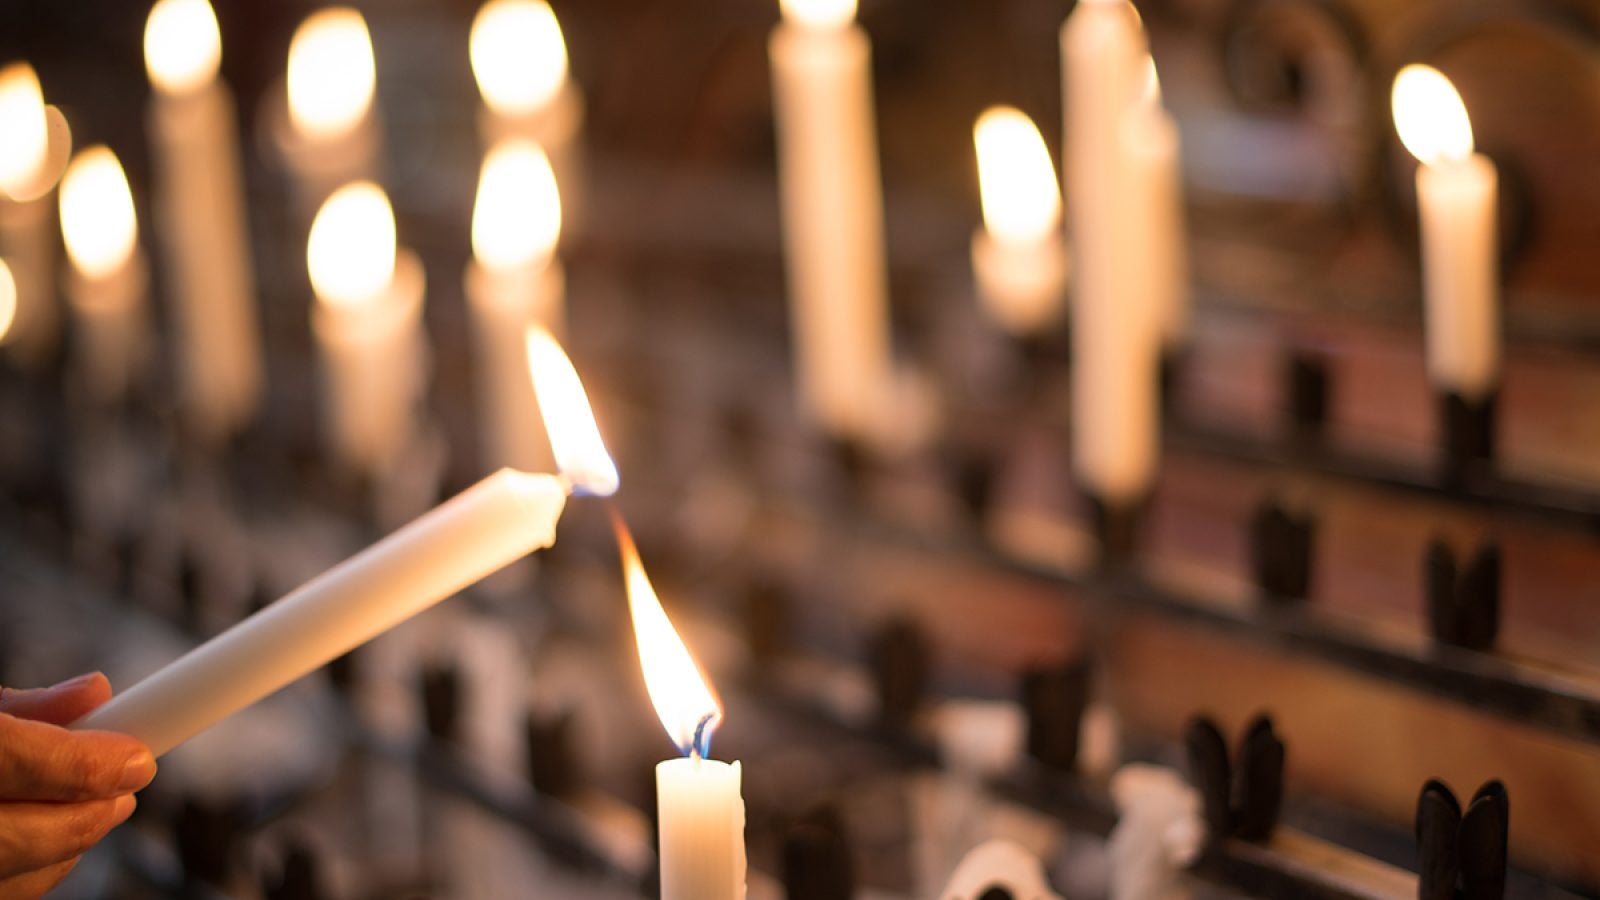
(47, 763)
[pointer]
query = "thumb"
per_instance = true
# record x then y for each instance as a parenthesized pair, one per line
(62, 704)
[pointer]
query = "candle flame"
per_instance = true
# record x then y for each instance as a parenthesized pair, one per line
(331, 73)
(681, 693)
(821, 15)
(24, 136)
(182, 46)
(350, 252)
(8, 300)
(518, 55)
(516, 219)
(1016, 179)
(97, 218)
(568, 418)
(1429, 115)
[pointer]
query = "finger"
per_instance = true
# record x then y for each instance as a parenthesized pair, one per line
(36, 884)
(37, 835)
(49, 763)
(63, 704)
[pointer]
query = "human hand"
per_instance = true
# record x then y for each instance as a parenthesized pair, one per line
(60, 791)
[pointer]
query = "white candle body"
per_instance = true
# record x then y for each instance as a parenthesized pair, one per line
(482, 529)
(702, 829)
(1022, 285)
(1115, 364)
(112, 320)
(374, 362)
(27, 242)
(503, 304)
(1154, 153)
(1457, 200)
(557, 127)
(833, 225)
(200, 206)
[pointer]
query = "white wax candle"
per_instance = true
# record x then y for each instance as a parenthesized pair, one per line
(327, 130)
(1115, 361)
(482, 529)
(513, 280)
(832, 199)
(1156, 183)
(368, 325)
(200, 206)
(519, 59)
(34, 145)
(1018, 257)
(1457, 195)
(106, 288)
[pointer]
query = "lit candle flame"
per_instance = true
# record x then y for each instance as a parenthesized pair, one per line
(568, 418)
(97, 218)
(1016, 179)
(682, 695)
(516, 219)
(1429, 115)
(24, 136)
(8, 300)
(331, 73)
(819, 15)
(518, 55)
(350, 252)
(182, 46)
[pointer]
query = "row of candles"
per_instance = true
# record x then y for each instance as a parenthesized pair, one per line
(1128, 275)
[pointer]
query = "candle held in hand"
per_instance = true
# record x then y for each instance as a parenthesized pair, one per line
(701, 811)
(1018, 257)
(479, 531)
(1457, 192)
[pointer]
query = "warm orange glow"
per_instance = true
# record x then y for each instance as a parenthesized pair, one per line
(182, 46)
(518, 55)
(350, 253)
(1429, 115)
(822, 15)
(517, 217)
(97, 219)
(331, 73)
(568, 418)
(1016, 179)
(685, 703)
(8, 300)
(24, 136)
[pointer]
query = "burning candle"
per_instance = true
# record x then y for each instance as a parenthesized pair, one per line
(519, 60)
(514, 279)
(8, 301)
(1154, 157)
(106, 289)
(832, 215)
(330, 135)
(1456, 198)
(482, 529)
(368, 324)
(200, 205)
(700, 809)
(1018, 256)
(34, 144)
(1114, 350)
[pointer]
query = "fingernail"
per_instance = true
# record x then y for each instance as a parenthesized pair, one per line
(122, 808)
(138, 772)
(75, 682)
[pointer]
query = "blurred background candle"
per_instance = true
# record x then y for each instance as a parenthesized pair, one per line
(8, 301)
(832, 214)
(368, 323)
(1019, 257)
(328, 130)
(1457, 191)
(519, 59)
(106, 287)
(701, 812)
(34, 144)
(1156, 184)
(512, 281)
(200, 209)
